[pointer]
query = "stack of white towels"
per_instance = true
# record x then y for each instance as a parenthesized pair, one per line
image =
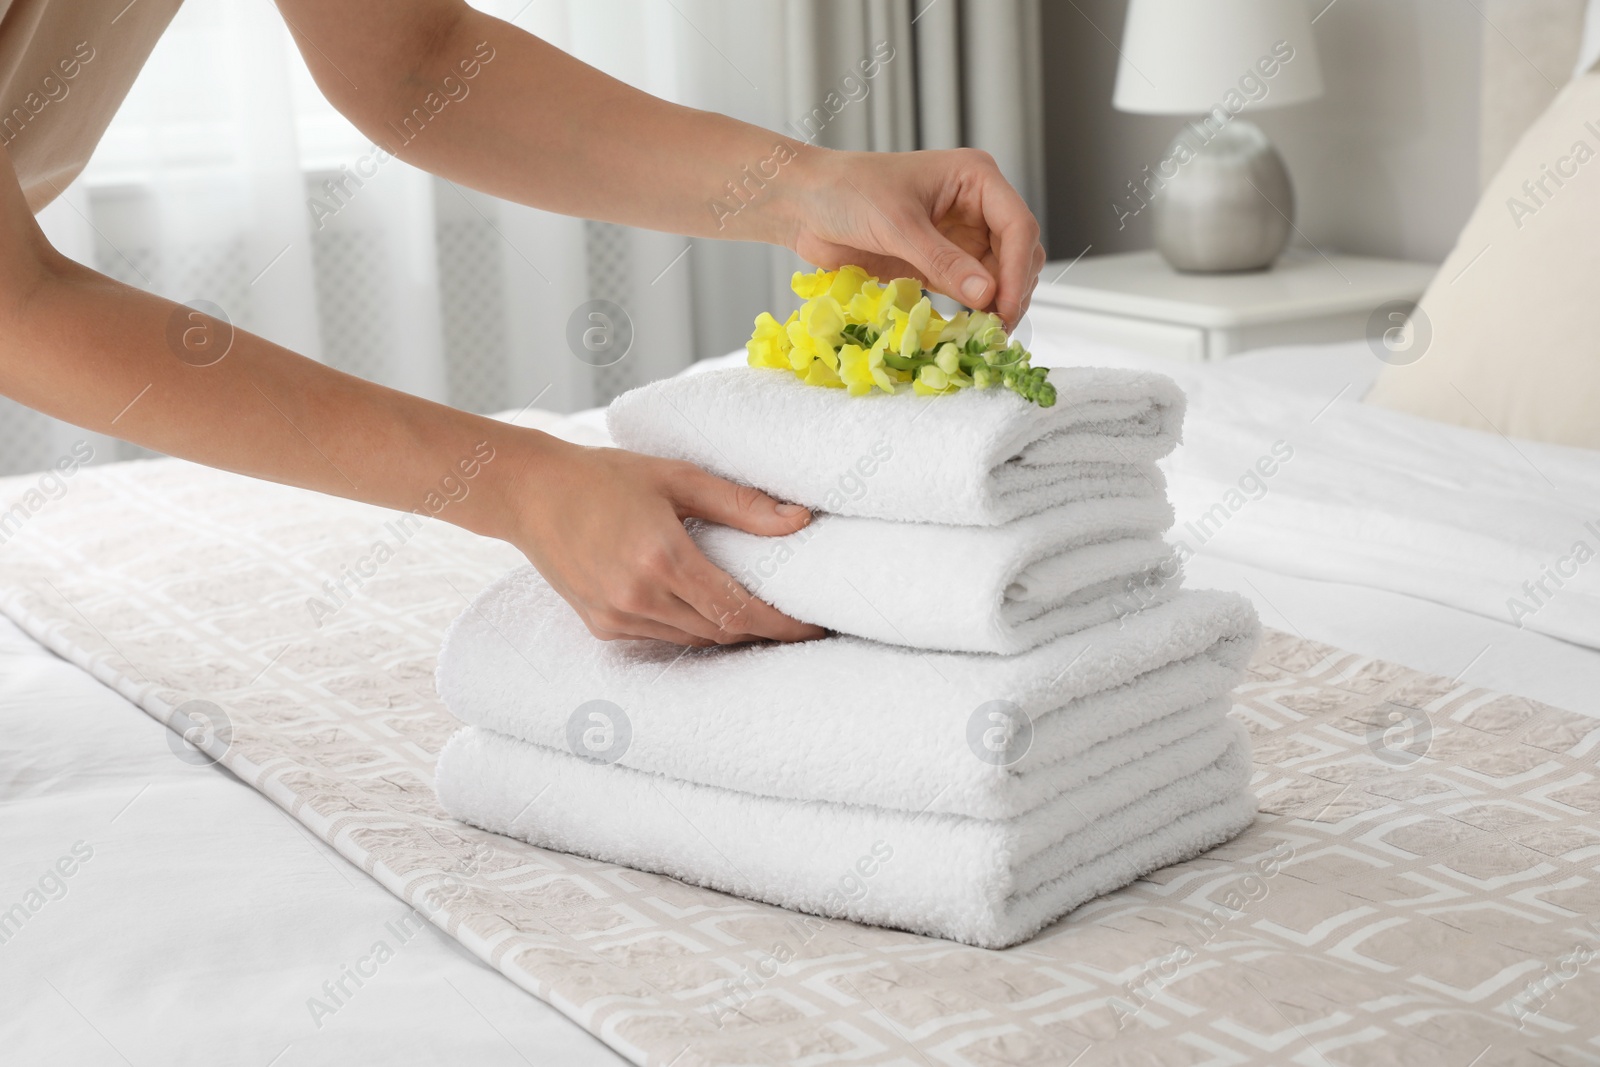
(1019, 709)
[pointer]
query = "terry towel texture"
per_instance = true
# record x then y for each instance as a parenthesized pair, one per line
(974, 458)
(1020, 708)
(985, 882)
(998, 589)
(840, 719)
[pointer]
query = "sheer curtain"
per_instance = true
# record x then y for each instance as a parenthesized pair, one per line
(227, 178)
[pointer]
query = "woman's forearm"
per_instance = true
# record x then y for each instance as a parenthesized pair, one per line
(483, 103)
(605, 527)
(524, 121)
(120, 361)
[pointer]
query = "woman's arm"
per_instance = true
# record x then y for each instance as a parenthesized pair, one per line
(605, 527)
(474, 99)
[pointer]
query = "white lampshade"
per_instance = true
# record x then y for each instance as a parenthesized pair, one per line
(1182, 57)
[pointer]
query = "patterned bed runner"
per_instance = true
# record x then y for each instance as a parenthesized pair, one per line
(1421, 887)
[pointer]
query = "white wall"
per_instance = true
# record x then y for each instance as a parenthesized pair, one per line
(1385, 164)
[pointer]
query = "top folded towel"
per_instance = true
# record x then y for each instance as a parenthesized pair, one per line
(972, 459)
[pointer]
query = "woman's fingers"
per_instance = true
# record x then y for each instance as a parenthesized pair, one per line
(982, 249)
(947, 266)
(738, 615)
(701, 495)
(645, 629)
(1039, 260)
(643, 603)
(716, 596)
(604, 618)
(1014, 236)
(621, 557)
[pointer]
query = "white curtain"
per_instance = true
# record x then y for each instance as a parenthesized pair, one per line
(226, 178)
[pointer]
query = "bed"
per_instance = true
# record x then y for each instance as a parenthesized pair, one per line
(176, 909)
(202, 923)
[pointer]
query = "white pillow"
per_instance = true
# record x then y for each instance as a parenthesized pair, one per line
(1507, 337)
(1589, 49)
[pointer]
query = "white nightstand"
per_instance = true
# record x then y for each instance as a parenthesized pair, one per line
(1134, 300)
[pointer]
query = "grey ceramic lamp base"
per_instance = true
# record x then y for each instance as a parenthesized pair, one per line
(1229, 207)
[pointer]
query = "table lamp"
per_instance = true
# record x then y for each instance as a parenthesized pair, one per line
(1220, 197)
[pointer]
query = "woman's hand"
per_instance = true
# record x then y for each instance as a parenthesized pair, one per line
(947, 218)
(605, 528)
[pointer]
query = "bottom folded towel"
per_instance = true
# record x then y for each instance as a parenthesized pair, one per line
(985, 882)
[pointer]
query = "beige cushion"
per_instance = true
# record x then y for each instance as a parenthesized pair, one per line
(1514, 312)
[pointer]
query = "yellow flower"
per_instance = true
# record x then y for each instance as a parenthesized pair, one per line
(956, 329)
(862, 368)
(823, 318)
(929, 339)
(872, 303)
(819, 373)
(842, 284)
(905, 336)
(814, 333)
(847, 282)
(769, 345)
(806, 286)
(987, 328)
(931, 381)
(855, 372)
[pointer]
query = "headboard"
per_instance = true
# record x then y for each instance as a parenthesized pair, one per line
(1528, 51)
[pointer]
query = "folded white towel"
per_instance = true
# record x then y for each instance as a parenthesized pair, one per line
(960, 588)
(839, 719)
(974, 458)
(984, 882)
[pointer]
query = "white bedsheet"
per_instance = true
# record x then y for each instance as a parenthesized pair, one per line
(1386, 534)
(1413, 535)
(206, 917)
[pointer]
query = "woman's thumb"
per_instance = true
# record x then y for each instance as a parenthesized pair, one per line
(949, 269)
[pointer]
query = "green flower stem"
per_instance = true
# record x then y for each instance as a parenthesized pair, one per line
(1009, 365)
(910, 363)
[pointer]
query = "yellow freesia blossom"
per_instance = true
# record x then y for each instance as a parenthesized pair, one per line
(863, 368)
(905, 336)
(872, 302)
(929, 338)
(853, 333)
(987, 328)
(931, 381)
(815, 334)
(806, 286)
(819, 373)
(956, 329)
(823, 318)
(846, 284)
(769, 345)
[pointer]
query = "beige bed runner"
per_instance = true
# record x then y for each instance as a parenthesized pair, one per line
(1421, 887)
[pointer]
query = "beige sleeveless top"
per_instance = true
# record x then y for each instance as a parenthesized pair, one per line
(65, 66)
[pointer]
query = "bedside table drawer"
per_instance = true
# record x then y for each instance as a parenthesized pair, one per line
(1185, 343)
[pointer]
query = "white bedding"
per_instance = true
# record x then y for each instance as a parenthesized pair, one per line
(206, 918)
(1385, 533)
